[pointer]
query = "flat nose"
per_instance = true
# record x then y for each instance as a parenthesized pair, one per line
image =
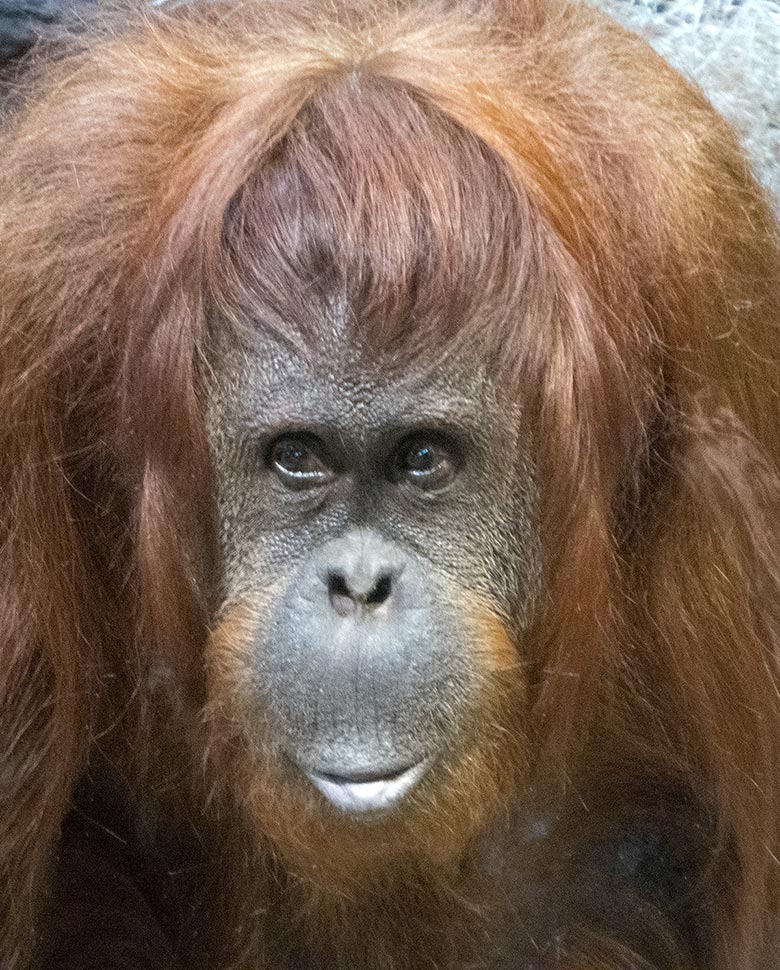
(361, 572)
(347, 597)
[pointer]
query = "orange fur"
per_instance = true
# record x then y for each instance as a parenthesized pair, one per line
(628, 299)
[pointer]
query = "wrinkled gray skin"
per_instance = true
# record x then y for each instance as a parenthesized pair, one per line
(364, 661)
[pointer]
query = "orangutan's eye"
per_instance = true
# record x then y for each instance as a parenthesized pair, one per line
(298, 461)
(426, 460)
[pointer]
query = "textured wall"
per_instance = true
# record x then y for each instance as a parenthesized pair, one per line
(732, 48)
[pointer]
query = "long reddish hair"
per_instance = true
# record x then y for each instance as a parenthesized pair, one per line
(631, 303)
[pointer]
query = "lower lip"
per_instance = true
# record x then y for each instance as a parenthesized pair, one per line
(362, 797)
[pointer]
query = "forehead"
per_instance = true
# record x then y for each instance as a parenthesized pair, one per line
(268, 380)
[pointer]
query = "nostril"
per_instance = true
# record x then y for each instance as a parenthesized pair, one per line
(337, 585)
(380, 592)
(341, 599)
(346, 600)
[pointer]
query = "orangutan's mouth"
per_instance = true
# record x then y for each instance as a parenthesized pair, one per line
(367, 792)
